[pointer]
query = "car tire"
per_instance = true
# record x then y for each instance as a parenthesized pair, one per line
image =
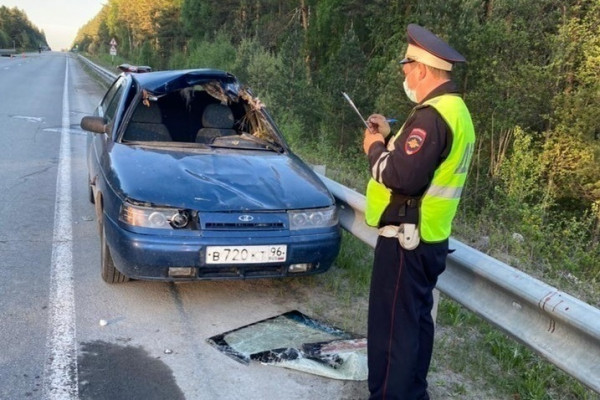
(90, 191)
(91, 194)
(110, 273)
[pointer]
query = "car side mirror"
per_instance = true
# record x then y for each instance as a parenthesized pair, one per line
(94, 124)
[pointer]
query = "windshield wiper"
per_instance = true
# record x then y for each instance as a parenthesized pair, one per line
(232, 142)
(273, 146)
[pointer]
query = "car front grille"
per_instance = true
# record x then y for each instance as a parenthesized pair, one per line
(245, 221)
(244, 225)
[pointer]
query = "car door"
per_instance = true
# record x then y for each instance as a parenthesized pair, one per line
(98, 159)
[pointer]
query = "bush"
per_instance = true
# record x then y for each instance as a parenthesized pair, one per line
(218, 54)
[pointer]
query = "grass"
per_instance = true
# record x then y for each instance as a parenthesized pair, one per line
(108, 61)
(474, 348)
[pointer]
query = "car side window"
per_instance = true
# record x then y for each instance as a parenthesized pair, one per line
(112, 107)
(111, 100)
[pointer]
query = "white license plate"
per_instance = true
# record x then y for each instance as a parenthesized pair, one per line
(246, 254)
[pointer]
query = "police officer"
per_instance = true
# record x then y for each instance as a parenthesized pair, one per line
(416, 181)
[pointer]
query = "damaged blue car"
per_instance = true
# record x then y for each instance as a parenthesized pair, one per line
(192, 180)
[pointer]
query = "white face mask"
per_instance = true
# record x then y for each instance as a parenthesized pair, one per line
(410, 93)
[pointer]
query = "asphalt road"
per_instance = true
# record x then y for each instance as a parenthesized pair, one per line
(52, 298)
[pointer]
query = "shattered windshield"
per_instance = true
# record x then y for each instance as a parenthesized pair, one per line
(209, 114)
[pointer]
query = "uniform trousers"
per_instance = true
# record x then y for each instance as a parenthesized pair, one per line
(400, 326)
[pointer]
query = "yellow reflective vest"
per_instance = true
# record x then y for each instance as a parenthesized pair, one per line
(439, 203)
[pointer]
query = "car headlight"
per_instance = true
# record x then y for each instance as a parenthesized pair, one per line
(155, 217)
(315, 218)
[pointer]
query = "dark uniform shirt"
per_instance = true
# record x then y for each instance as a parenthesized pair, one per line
(425, 141)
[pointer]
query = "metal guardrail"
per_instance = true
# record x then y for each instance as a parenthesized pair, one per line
(105, 74)
(563, 329)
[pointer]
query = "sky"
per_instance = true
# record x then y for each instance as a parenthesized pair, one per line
(59, 19)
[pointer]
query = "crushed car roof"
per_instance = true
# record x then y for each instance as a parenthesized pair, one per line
(165, 81)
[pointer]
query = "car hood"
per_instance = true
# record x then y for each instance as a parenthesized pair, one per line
(216, 180)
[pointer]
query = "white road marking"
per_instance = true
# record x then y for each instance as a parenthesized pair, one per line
(30, 119)
(60, 369)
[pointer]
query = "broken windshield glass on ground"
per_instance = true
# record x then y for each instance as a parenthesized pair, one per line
(296, 341)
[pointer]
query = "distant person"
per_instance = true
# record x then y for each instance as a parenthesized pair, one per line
(417, 177)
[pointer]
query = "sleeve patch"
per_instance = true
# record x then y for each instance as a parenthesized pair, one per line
(415, 141)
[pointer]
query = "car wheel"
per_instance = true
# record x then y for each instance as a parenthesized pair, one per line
(110, 273)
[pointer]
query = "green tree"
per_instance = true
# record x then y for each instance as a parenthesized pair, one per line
(4, 40)
(297, 97)
(18, 30)
(170, 34)
(345, 72)
(206, 17)
(218, 53)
